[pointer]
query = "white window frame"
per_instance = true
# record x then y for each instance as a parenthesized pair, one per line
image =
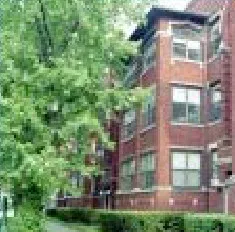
(127, 175)
(129, 120)
(215, 163)
(186, 89)
(186, 43)
(150, 51)
(213, 89)
(186, 169)
(216, 26)
(149, 108)
(147, 170)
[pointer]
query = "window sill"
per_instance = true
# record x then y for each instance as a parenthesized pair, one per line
(127, 139)
(174, 59)
(123, 192)
(147, 190)
(215, 122)
(136, 190)
(186, 124)
(187, 189)
(148, 128)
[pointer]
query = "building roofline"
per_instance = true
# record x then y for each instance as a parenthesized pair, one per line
(157, 13)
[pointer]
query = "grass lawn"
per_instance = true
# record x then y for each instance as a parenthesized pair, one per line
(80, 227)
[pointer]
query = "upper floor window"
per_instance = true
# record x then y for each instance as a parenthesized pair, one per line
(149, 50)
(186, 42)
(130, 70)
(186, 105)
(127, 174)
(129, 123)
(216, 102)
(215, 37)
(186, 169)
(149, 109)
(147, 167)
(215, 167)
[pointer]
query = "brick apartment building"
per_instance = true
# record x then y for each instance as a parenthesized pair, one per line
(177, 151)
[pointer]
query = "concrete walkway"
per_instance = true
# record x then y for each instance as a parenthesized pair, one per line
(57, 227)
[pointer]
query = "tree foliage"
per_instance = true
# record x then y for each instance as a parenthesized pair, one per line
(56, 58)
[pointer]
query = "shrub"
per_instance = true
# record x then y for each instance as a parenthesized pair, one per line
(125, 221)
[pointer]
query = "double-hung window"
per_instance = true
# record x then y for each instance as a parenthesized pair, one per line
(216, 103)
(215, 167)
(215, 38)
(129, 123)
(188, 50)
(127, 174)
(149, 50)
(186, 105)
(149, 109)
(186, 169)
(147, 167)
(130, 72)
(186, 43)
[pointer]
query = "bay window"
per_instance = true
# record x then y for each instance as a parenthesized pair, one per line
(215, 167)
(149, 109)
(186, 105)
(186, 43)
(216, 102)
(186, 169)
(188, 50)
(129, 123)
(149, 50)
(215, 38)
(127, 174)
(147, 167)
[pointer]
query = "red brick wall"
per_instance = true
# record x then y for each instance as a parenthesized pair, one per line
(232, 28)
(206, 6)
(166, 135)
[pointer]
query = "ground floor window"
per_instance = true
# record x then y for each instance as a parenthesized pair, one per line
(127, 174)
(147, 167)
(186, 169)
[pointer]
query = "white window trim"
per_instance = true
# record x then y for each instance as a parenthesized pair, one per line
(186, 152)
(199, 124)
(152, 125)
(125, 123)
(186, 59)
(147, 52)
(130, 158)
(173, 59)
(217, 14)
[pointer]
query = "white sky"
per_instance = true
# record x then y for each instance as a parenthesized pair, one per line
(175, 4)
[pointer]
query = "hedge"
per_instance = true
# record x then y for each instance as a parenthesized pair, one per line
(126, 221)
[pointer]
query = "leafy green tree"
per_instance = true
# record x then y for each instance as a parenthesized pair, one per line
(56, 60)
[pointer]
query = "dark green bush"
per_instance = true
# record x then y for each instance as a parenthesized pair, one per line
(126, 221)
(209, 223)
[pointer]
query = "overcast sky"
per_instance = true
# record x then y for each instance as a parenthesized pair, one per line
(176, 4)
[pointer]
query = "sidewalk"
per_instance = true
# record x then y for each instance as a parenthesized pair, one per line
(52, 226)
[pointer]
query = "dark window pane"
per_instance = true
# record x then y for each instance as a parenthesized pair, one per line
(179, 50)
(193, 178)
(193, 113)
(179, 178)
(194, 54)
(179, 112)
